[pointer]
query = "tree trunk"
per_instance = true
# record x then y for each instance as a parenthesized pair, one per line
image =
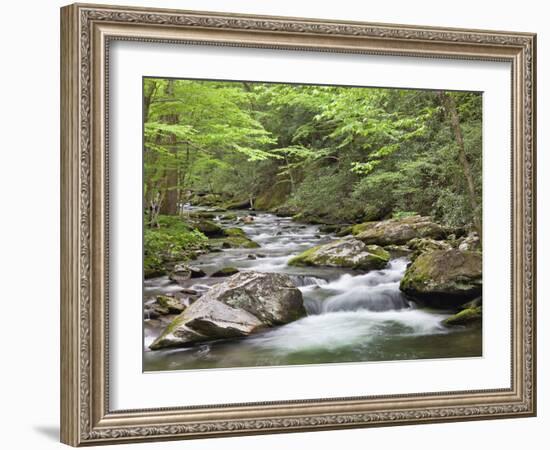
(170, 204)
(290, 177)
(449, 106)
(147, 99)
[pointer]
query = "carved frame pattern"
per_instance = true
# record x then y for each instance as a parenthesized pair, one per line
(86, 418)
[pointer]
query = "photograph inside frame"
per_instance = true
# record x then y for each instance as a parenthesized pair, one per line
(291, 224)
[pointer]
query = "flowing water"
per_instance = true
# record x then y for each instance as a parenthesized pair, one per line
(351, 316)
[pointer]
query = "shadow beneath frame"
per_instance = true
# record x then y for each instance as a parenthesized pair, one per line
(49, 431)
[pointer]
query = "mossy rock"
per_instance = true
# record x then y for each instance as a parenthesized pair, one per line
(173, 305)
(237, 204)
(399, 231)
(331, 228)
(465, 317)
(476, 302)
(360, 227)
(233, 242)
(423, 245)
(285, 210)
(444, 278)
(225, 272)
(345, 253)
(234, 232)
(206, 200)
(345, 231)
(229, 216)
(208, 228)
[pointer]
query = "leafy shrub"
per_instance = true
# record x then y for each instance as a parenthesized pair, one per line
(173, 240)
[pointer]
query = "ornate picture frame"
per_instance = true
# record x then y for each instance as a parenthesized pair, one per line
(86, 34)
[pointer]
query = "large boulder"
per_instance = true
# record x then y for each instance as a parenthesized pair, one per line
(244, 304)
(444, 278)
(349, 253)
(204, 321)
(399, 231)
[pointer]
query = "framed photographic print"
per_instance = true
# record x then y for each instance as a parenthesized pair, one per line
(275, 224)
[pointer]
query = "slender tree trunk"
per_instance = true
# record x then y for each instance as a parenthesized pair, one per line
(170, 204)
(147, 99)
(449, 106)
(290, 177)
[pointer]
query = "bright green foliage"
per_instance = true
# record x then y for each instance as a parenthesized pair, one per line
(334, 154)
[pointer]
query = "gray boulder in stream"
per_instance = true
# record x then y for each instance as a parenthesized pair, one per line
(348, 253)
(244, 304)
(444, 278)
(399, 231)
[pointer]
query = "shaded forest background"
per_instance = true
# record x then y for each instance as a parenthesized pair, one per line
(323, 154)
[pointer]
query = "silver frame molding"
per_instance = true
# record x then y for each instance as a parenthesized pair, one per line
(86, 32)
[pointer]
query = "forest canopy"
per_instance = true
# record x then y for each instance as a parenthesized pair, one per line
(329, 154)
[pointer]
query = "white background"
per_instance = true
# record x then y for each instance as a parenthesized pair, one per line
(29, 229)
(130, 388)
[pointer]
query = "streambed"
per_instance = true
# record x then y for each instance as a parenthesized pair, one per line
(352, 316)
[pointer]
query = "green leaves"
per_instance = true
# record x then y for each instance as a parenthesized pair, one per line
(153, 130)
(334, 151)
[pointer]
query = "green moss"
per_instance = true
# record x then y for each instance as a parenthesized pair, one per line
(419, 273)
(237, 204)
(379, 252)
(413, 278)
(170, 328)
(170, 304)
(344, 231)
(233, 242)
(449, 269)
(377, 258)
(234, 232)
(208, 228)
(226, 272)
(472, 303)
(304, 258)
(466, 316)
(360, 227)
